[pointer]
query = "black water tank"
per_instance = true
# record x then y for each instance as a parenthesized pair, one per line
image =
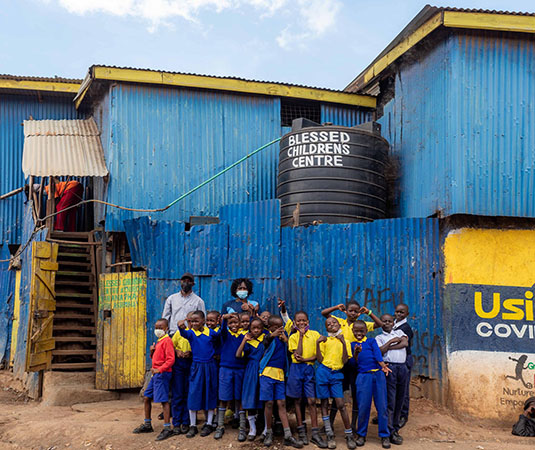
(335, 174)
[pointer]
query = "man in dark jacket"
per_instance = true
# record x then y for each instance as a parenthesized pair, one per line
(526, 422)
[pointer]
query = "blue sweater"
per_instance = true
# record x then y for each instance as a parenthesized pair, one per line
(230, 344)
(369, 357)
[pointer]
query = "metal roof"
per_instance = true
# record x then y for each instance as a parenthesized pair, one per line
(63, 147)
(50, 84)
(428, 20)
(233, 84)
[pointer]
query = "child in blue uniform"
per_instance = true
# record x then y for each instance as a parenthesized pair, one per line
(272, 368)
(180, 384)
(203, 379)
(301, 377)
(332, 353)
(252, 349)
(371, 383)
(231, 371)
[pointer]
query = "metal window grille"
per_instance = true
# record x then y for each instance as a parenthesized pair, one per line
(291, 110)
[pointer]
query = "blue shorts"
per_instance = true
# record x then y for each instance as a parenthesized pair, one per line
(271, 389)
(158, 388)
(301, 381)
(329, 382)
(230, 383)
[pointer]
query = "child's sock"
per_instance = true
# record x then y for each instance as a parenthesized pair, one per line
(265, 428)
(167, 425)
(315, 430)
(327, 424)
(348, 432)
(148, 421)
(243, 420)
(210, 417)
(252, 424)
(192, 418)
(221, 417)
(287, 433)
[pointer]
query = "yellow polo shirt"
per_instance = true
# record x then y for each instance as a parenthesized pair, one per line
(181, 343)
(332, 352)
(348, 330)
(309, 344)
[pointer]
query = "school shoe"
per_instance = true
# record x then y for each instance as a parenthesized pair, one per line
(361, 440)
(143, 428)
(331, 441)
(242, 435)
(302, 434)
(192, 432)
(251, 437)
(350, 440)
(206, 430)
(292, 442)
(176, 430)
(318, 441)
(385, 442)
(184, 428)
(402, 422)
(396, 439)
(268, 438)
(219, 432)
(165, 433)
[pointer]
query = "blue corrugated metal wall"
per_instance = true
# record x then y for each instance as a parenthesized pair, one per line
(7, 299)
(159, 142)
(14, 109)
(462, 124)
(378, 264)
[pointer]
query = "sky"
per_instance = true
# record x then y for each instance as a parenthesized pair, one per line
(323, 43)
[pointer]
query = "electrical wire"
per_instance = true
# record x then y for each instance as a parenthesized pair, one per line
(165, 208)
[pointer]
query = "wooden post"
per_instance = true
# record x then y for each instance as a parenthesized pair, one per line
(51, 204)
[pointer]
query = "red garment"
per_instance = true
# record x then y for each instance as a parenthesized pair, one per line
(66, 221)
(163, 357)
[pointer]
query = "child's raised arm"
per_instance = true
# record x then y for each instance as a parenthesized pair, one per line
(345, 356)
(239, 351)
(319, 356)
(377, 323)
(328, 311)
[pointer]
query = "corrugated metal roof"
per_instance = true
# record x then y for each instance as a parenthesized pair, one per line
(428, 20)
(55, 79)
(63, 147)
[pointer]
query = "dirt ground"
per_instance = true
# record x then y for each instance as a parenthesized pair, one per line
(27, 424)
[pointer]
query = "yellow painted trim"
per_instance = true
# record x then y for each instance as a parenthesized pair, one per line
(486, 21)
(224, 84)
(80, 97)
(402, 48)
(29, 85)
(15, 323)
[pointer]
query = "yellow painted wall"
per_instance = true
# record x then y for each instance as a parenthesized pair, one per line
(16, 312)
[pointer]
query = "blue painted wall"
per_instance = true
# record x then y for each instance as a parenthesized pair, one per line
(462, 124)
(160, 142)
(14, 109)
(378, 264)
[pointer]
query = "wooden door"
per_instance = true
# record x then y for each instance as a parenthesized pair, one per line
(121, 330)
(42, 306)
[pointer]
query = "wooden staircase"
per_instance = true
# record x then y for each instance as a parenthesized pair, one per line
(75, 318)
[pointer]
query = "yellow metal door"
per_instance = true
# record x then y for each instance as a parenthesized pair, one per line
(42, 306)
(121, 332)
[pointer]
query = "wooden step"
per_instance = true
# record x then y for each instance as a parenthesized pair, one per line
(73, 294)
(73, 283)
(69, 234)
(84, 365)
(72, 273)
(89, 339)
(74, 263)
(73, 352)
(73, 305)
(73, 255)
(73, 327)
(64, 316)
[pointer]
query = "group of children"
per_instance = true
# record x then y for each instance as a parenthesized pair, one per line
(240, 362)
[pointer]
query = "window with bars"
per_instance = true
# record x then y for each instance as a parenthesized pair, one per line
(295, 109)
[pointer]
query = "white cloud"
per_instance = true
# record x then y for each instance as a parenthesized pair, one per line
(307, 18)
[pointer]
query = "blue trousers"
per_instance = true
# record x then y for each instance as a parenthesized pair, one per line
(372, 385)
(179, 391)
(396, 386)
(406, 402)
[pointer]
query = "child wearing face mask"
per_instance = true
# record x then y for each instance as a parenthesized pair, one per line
(163, 358)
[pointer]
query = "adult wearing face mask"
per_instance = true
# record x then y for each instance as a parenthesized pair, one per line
(177, 306)
(241, 290)
(526, 422)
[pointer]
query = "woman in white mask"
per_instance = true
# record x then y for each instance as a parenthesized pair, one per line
(241, 290)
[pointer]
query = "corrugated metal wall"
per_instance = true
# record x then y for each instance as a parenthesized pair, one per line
(345, 117)
(378, 264)
(462, 124)
(7, 300)
(14, 109)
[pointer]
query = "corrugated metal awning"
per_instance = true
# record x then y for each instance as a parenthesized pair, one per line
(63, 147)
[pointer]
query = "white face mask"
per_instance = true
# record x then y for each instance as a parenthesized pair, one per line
(242, 294)
(159, 333)
(335, 334)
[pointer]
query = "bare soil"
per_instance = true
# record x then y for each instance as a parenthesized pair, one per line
(27, 424)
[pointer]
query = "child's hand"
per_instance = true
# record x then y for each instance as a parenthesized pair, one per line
(281, 303)
(152, 347)
(277, 332)
(394, 341)
(386, 370)
(342, 307)
(283, 337)
(182, 324)
(321, 339)
(298, 357)
(358, 348)
(363, 310)
(340, 337)
(248, 337)
(155, 371)
(302, 331)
